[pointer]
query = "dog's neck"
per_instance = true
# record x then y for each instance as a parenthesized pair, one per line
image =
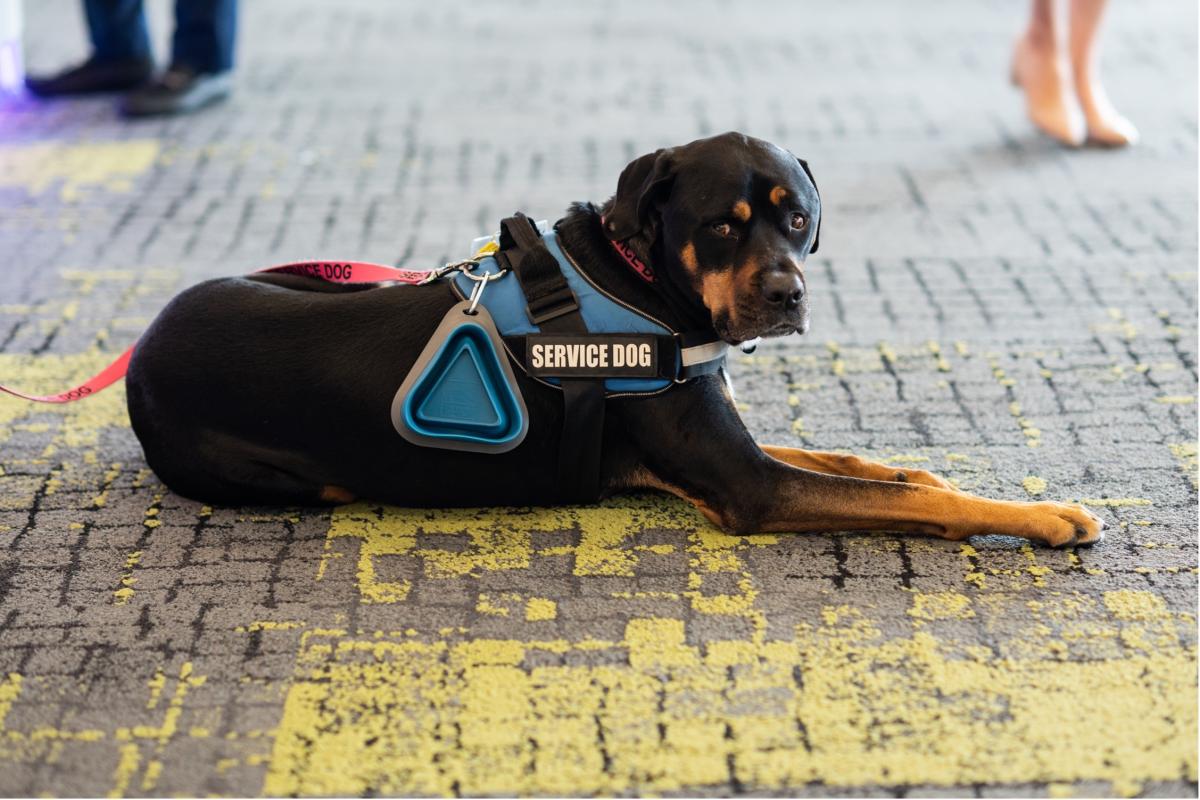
(615, 270)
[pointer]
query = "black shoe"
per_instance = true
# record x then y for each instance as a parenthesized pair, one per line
(178, 90)
(93, 76)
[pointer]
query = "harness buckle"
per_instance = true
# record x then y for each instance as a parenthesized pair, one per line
(553, 305)
(679, 369)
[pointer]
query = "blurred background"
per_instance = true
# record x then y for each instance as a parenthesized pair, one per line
(401, 128)
(987, 304)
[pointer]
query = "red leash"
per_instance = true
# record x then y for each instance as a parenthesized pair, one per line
(331, 271)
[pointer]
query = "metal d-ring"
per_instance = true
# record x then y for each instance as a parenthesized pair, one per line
(481, 282)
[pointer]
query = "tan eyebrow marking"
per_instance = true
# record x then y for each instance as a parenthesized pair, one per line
(741, 211)
(777, 195)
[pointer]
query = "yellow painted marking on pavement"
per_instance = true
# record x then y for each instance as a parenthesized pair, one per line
(1133, 604)
(974, 575)
(151, 775)
(485, 605)
(156, 684)
(496, 540)
(1115, 502)
(10, 689)
(1180, 399)
(540, 608)
(125, 591)
(1034, 485)
(1185, 454)
(77, 424)
(1119, 324)
(1033, 435)
(837, 365)
(101, 499)
(126, 768)
(109, 166)
(936, 350)
(269, 625)
(940, 605)
(35, 744)
(469, 717)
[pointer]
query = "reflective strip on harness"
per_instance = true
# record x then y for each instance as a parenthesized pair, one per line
(702, 353)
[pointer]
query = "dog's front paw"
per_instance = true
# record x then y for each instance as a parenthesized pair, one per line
(1052, 524)
(1065, 524)
(1089, 527)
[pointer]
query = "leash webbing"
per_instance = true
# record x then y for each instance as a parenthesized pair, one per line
(328, 271)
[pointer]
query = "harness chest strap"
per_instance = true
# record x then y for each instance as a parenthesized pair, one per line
(552, 306)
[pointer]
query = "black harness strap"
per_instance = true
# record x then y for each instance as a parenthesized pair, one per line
(553, 307)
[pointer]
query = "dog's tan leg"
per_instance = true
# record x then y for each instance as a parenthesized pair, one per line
(853, 467)
(803, 501)
(745, 489)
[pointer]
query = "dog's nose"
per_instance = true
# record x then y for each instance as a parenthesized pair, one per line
(783, 288)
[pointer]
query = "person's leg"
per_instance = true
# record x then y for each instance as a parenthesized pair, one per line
(118, 30)
(204, 34)
(201, 60)
(1105, 124)
(1041, 69)
(120, 57)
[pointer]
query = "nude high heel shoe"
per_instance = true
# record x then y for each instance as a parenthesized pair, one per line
(1049, 100)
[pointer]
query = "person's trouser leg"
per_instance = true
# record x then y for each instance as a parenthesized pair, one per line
(118, 30)
(204, 34)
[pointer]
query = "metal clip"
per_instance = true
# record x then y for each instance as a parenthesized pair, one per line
(481, 282)
(464, 266)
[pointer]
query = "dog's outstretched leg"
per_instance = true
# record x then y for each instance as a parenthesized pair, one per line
(854, 467)
(695, 446)
(798, 501)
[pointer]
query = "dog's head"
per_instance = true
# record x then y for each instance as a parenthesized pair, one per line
(733, 218)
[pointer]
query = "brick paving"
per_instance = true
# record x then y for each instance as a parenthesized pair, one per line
(988, 305)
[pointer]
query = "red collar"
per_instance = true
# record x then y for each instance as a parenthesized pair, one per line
(642, 269)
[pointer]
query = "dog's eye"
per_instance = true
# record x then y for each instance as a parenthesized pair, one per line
(722, 229)
(799, 221)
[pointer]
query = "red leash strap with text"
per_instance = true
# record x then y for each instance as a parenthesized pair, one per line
(106, 377)
(331, 271)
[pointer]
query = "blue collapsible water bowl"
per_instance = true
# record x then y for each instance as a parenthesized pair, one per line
(463, 394)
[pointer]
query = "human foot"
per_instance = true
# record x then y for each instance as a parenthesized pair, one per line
(1105, 125)
(1045, 78)
(93, 75)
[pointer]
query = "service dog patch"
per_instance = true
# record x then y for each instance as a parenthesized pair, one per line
(607, 355)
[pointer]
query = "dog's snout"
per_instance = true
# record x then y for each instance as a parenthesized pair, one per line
(783, 288)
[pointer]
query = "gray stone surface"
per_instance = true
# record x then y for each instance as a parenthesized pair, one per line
(987, 305)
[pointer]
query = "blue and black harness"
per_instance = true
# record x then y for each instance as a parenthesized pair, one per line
(559, 327)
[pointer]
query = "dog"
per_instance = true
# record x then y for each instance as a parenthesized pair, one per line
(274, 389)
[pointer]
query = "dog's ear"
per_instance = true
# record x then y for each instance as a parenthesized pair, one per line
(808, 172)
(646, 180)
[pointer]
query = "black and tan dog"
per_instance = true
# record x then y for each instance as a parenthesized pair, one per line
(275, 388)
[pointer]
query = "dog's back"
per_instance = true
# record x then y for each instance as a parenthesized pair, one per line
(269, 389)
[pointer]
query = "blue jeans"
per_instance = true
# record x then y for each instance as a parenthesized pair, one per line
(203, 40)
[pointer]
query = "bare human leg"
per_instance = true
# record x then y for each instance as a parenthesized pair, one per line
(1042, 71)
(1105, 125)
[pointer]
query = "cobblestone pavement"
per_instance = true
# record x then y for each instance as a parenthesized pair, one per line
(988, 305)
